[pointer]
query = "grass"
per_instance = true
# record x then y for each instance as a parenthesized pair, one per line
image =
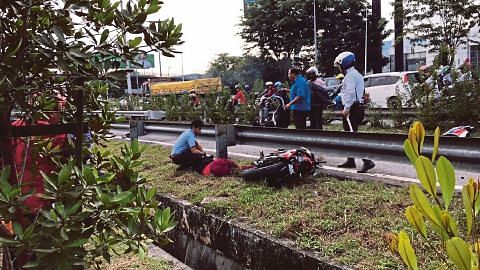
(344, 221)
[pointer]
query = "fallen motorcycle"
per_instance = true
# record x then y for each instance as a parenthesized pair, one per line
(281, 166)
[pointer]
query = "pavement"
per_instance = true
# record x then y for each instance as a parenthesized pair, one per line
(384, 171)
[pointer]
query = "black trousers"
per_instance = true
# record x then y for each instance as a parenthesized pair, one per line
(357, 112)
(195, 161)
(300, 119)
(316, 117)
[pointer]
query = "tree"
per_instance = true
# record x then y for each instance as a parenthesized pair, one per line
(284, 30)
(236, 69)
(71, 50)
(443, 23)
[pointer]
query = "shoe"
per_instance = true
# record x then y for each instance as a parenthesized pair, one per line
(367, 165)
(350, 163)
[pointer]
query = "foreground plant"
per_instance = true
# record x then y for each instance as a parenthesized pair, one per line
(106, 204)
(452, 242)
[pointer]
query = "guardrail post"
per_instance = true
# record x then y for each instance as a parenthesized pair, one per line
(224, 136)
(136, 129)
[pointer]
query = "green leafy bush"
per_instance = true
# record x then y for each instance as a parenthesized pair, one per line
(431, 215)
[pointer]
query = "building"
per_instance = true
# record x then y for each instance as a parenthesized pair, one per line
(416, 55)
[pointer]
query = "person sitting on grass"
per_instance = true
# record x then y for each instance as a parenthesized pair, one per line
(187, 152)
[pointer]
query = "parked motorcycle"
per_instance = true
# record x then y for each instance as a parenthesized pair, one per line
(281, 166)
(271, 112)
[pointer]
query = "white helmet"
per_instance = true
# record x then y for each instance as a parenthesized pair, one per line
(312, 70)
(269, 83)
(345, 60)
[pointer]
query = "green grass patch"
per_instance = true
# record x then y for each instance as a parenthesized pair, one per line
(345, 221)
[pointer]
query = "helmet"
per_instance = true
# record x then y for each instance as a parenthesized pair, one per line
(269, 83)
(278, 85)
(313, 70)
(345, 60)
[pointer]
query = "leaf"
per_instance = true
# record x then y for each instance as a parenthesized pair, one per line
(59, 33)
(436, 142)
(422, 204)
(406, 251)
(18, 230)
(467, 203)
(64, 174)
(426, 175)
(120, 197)
(459, 252)
(446, 178)
(104, 36)
(413, 139)
(15, 50)
(416, 220)
(31, 264)
(420, 135)
(8, 242)
(150, 193)
(76, 243)
(408, 149)
(132, 43)
(449, 223)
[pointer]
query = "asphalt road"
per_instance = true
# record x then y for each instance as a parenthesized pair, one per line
(391, 171)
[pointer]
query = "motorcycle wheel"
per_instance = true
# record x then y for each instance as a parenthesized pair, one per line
(259, 173)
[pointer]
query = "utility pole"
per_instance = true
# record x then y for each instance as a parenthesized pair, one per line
(366, 39)
(376, 56)
(398, 24)
(315, 32)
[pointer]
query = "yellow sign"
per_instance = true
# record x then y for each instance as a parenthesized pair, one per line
(200, 86)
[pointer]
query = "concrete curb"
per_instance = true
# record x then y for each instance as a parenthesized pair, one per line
(205, 241)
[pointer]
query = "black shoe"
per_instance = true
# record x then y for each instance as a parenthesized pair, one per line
(367, 165)
(350, 163)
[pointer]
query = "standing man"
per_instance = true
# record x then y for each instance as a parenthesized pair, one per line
(299, 98)
(353, 110)
(187, 152)
(319, 96)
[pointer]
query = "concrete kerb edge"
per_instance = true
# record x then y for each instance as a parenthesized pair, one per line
(224, 236)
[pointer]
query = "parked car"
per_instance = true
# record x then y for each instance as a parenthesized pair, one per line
(383, 88)
(332, 84)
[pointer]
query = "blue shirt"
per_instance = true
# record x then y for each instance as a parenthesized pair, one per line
(300, 88)
(352, 88)
(185, 141)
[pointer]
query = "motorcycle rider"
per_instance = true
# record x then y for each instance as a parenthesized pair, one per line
(319, 96)
(270, 90)
(353, 112)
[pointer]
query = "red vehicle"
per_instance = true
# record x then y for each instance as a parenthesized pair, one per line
(282, 166)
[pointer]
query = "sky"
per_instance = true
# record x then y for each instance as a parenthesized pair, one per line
(210, 27)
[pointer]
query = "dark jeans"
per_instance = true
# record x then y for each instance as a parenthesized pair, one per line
(316, 117)
(357, 113)
(188, 159)
(300, 119)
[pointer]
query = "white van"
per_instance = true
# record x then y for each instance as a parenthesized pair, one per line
(382, 88)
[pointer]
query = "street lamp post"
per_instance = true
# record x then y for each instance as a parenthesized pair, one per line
(366, 37)
(315, 32)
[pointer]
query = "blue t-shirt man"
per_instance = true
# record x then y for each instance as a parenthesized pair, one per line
(301, 89)
(187, 152)
(185, 141)
(300, 99)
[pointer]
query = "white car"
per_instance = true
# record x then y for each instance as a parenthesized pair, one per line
(383, 88)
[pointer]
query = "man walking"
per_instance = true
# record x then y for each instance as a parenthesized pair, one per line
(353, 110)
(299, 98)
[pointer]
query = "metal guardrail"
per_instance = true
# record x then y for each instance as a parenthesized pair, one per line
(384, 113)
(146, 115)
(463, 152)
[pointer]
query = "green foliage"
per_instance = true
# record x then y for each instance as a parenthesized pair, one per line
(450, 29)
(447, 106)
(236, 69)
(281, 29)
(54, 50)
(460, 248)
(106, 203)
